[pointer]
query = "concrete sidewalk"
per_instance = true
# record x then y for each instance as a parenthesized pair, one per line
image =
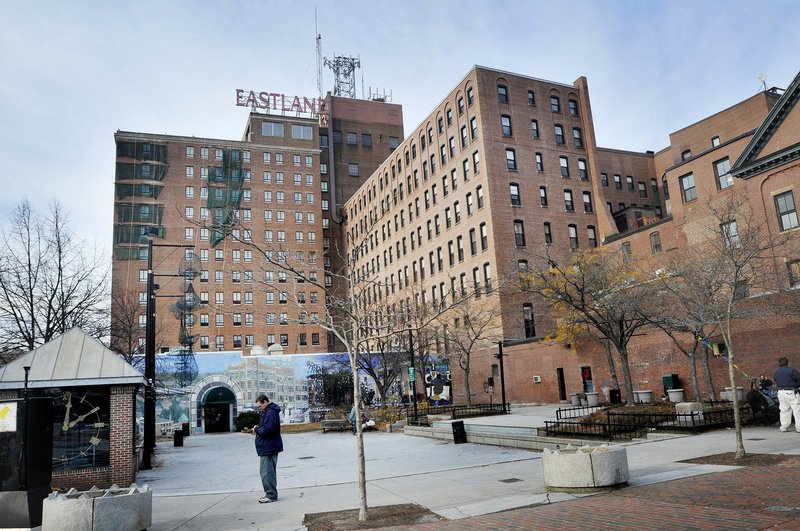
(213, 483)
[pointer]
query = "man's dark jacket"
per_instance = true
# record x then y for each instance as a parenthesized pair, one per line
(268, 431)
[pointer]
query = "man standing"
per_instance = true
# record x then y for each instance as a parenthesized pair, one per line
(788, 381)
(268, 445)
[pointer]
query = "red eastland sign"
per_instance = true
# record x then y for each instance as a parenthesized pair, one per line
(278, 102)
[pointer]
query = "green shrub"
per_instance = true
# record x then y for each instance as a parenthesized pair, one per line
(247, 419)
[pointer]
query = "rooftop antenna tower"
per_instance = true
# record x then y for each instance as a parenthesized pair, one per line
(763, 79)
(319, 55)
(344, 69)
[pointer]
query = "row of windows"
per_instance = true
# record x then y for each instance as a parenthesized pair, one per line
(297, 159)
(563, 160)
(249, 340)
(508, 131)
(430, 197)
(569, 204)
(555, 101)
(642, 186)
(572, 232)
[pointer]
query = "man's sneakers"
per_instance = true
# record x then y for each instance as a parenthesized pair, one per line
(264, 499)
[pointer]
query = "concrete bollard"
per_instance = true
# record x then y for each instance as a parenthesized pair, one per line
(585, 467)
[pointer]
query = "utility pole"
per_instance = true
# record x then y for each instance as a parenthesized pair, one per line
(412, 380)
(150, 361)
(499, 356)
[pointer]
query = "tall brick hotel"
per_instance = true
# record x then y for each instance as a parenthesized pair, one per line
(503, 166)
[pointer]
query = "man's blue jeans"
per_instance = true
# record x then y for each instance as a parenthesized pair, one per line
(269, 477)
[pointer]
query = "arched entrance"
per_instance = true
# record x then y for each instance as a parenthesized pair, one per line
(202, 393)
(217, 404)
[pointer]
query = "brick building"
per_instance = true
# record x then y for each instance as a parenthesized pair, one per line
(506, 165)
(210, 199)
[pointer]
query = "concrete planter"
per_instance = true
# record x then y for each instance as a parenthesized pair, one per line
(575, 399)
(128, 509)
(585, 467)
(675, 395)
(739, 392)
(592, 399)
(643, 397)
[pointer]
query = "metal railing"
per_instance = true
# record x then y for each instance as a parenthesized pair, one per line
(624, 425)
(577, 411)
(455, 412)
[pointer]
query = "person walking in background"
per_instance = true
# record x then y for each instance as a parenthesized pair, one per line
(788, 381)
(352, 417)
(268, 445)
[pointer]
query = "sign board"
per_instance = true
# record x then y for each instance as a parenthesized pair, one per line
(8, 416)
(411, 375)
(278, 102)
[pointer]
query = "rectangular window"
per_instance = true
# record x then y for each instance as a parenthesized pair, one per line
(559, 134)
(629, 181)
(582, 170)
(730, 232)
(587, 202)
(555, 104)
(642, 189)
(502, 93)
(577, 137)
(722, 169)
(617, 181)
(535, 129)
(505, 125)
(531, 98)
(655, 243)
(548, 234)
(519, 233)
(568, 204)
(527, 319)
(688, 189)
(787, 212)
(573, 237)
(302, 132)
(539, 163)
(274, 129)
(514, 190)
(352, 139)
(543, 195)
(564, 166)
(511, 160)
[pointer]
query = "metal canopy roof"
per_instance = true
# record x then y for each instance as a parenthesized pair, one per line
(72, 359)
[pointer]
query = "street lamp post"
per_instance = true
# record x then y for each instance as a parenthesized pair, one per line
(502, 374)
(150, 361)
(412, 380)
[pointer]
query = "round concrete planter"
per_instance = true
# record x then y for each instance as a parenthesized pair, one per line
(592, 399)
(585, 467)
(675, 395)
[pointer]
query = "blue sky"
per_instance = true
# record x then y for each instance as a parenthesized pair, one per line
(75, 72)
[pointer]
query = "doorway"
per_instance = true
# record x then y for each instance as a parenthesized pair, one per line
(217, 405)
(562, 385)
(586, 377)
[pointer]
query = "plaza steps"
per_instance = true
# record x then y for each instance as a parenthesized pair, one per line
(496, 435)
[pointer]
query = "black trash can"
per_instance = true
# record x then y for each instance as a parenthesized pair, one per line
(185, 429)
(459, 433)
(615, 396)
(178, 437)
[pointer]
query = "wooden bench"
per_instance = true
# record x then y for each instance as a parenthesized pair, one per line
(336, 424)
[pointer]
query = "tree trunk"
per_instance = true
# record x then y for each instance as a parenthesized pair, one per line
(612, 366)
(467, 370)
(362, 472)
(626, 374)
(707, 370)
(737, 421)
(693, 366)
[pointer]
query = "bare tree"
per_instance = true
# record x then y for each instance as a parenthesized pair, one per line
(471, 326)
(738, 250)
(126, 331)
(593, 289)
(684, 304)
(48, 281)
